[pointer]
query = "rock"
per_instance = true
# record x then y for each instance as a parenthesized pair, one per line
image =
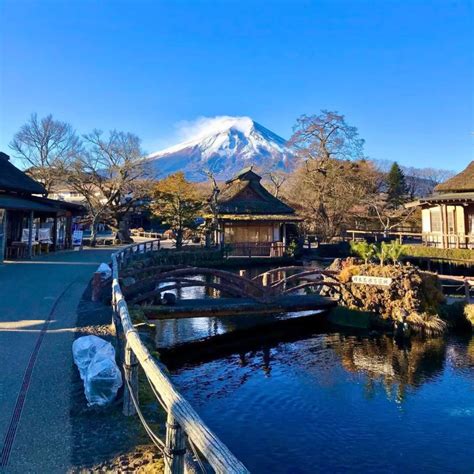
(128, 281)
(168, 299)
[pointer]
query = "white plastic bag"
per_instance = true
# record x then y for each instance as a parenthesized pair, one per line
(105, 270)
(102, 382)
(95, 359)
(84, 350)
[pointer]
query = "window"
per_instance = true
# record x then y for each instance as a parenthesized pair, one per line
(249, 233)
(451, 221)
(435, 220)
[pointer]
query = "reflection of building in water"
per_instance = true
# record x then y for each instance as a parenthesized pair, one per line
(397, 367)
(461, 356)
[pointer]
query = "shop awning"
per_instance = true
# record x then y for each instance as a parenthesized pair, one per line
(17, 203)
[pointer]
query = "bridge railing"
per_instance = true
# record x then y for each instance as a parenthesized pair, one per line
(184, 427)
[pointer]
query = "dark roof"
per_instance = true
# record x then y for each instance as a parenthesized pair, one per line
(462, 182)
(447, 197)
(13, 179)
(17, 203)
(244, 194)
(76, 209)
(39, 204)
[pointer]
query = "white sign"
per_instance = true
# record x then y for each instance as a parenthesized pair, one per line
(371, 280)
(77, 238)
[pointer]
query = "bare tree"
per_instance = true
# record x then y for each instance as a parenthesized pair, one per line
(390, 218)
(334, 178)
(212, 205)
(325, 136)
(110, 175)
(277, 180)
(46, 146)
(330, 201)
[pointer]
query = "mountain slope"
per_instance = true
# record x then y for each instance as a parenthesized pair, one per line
(224, 146)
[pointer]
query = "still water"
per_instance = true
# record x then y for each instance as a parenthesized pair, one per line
(341, 403)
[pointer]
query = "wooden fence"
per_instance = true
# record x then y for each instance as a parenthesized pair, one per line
(184, 427)
(255, 249)
(430, 239)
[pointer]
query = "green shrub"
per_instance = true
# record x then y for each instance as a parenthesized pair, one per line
(433, 252)
(363, 250)
(383, 252)
(469, 314)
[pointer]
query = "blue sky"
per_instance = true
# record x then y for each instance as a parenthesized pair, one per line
(401, 71)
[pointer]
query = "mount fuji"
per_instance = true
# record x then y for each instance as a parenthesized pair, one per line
(223, 145)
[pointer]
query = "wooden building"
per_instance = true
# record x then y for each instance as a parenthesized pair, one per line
(252, 222)
(30, 223)
(448, 214)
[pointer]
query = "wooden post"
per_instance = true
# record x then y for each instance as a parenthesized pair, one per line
(55, 233)
(96, 286)
(175, 446)
(265, 279)
(130, 367)
(466, 290)
(30, 235)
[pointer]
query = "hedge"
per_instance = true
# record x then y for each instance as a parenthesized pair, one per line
(434, 252)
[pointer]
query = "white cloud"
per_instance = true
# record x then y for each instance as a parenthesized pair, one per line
(191, 130)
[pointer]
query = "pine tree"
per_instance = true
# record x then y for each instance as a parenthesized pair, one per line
(397, 188)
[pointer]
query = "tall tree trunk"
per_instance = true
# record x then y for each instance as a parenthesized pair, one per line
(123, 232)
(179, 238)
(94, 224)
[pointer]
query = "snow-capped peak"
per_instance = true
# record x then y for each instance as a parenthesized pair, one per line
(223, 145)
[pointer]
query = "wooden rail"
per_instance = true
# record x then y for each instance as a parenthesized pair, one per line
(435, 239)
(467, 283)
(183, 421)
(147, 235)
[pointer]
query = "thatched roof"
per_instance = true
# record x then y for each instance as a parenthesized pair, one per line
(462, 182)
(244, 194)
(14, 180)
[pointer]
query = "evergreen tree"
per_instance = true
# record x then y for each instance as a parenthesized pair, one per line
(397, 188)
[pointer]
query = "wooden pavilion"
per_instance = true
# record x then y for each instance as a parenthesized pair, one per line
(29, 222)
(448, 214)
(252, 222)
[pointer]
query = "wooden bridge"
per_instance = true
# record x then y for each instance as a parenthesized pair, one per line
(277, 290)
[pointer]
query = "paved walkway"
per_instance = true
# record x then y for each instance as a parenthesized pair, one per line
(37, 319)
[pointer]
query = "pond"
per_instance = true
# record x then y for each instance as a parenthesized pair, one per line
(335, 402)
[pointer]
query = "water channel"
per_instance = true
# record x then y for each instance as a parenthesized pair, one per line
(327, 400)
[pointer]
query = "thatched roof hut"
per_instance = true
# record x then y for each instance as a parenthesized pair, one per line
(251, 220)
(448, 214)
(244, 194)
(462, 182)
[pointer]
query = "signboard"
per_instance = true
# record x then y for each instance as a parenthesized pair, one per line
(371, 280)
(77, 238)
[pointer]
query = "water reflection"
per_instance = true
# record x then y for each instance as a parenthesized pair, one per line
(336, 392)
(397, 366)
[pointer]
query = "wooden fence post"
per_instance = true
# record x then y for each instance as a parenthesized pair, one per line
(175, 446)
(96, 286)
(265, 279)
(130, 367)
